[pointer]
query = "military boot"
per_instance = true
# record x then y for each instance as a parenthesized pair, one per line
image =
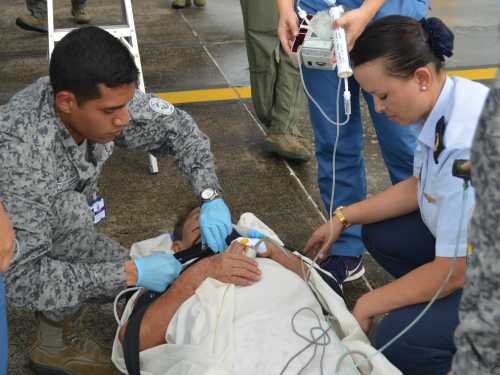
(65, 348)
(303, 142)
(287, 146)
(33, 24)
(200, 3)
(178, 4)
(81, 15)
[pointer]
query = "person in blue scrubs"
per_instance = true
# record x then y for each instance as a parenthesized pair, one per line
(411, 228)
(397, 143)
(6, 252)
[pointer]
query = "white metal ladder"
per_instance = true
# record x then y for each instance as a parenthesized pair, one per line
(125, 33)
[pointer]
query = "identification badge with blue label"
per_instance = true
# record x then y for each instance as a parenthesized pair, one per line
(98, 208)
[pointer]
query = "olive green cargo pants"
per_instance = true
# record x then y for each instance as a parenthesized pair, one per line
(277, 93)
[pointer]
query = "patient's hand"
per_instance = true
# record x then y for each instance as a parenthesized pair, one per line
(231, 266)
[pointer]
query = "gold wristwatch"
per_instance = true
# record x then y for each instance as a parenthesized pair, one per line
(341, 217)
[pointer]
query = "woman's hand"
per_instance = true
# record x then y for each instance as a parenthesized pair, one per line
(288, 29)
(321, 238)
(363, 316)
(355, 23)
(7, 238)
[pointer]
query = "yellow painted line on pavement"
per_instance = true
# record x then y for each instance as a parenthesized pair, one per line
(195, 96)
(475, 74)
(244, 92)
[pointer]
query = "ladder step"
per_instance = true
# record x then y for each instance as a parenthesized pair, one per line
(118, 31)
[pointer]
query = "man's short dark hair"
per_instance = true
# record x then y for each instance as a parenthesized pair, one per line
(87, 57)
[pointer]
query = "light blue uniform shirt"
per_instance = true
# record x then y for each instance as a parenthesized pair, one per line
(440, 194)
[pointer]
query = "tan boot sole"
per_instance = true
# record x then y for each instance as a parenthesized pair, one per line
(296, 156)
(31, 27)
(47, 370)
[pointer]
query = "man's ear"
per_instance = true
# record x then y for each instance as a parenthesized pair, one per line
(176, 246)
(65, 101)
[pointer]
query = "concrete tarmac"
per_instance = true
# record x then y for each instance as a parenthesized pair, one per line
(203, 48)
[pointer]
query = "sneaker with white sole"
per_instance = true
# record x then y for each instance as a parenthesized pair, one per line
(344, 268)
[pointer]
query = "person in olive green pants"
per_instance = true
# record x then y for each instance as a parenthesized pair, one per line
(277, 92)
(37, 21)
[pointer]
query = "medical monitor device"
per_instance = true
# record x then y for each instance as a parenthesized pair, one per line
(312, 51)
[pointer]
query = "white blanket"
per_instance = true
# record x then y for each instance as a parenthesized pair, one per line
(228, 329)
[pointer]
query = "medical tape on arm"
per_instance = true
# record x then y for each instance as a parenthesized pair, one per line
(252, 242)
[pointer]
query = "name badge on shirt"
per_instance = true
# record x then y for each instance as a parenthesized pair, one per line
(98, 208)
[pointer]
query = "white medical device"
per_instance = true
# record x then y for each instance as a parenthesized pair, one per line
(340, 42)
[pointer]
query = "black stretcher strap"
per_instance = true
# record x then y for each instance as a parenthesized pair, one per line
(131, 339)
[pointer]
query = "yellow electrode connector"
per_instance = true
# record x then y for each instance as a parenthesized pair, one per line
(243, 241)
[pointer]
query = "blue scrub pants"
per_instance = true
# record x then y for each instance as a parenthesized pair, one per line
(396, 142)
(400, 245)
(3, 329)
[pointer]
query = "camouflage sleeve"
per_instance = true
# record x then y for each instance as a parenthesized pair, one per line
(477, 337)
(37, 280)
(158, 127)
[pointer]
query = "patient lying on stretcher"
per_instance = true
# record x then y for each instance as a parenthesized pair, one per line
(233, 315)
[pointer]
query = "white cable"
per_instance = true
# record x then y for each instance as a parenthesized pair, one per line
(116, 301)
(317, 105)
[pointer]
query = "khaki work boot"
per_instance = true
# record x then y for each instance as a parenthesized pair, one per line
(178, 4)
(33, 24)
(65, 348)
(287, 146)
(81, 16)
(303, 142)
(200, 3)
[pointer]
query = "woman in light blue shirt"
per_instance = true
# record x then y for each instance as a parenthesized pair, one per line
(411, 228)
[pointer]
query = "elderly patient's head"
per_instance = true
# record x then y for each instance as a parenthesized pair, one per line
(187, 230)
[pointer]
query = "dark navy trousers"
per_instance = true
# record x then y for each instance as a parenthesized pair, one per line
(400, 245)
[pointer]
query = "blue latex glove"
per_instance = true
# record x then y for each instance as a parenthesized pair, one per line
(215, 224)
(157, 271)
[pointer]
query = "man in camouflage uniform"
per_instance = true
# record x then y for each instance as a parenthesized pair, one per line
(477, 337)
(53, 145)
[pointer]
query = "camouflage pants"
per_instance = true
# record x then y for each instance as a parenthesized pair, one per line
(94, 260)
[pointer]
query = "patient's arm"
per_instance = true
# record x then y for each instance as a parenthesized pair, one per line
(228, 267)
(275, 254)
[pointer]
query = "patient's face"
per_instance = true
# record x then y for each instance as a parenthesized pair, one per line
(190, 233)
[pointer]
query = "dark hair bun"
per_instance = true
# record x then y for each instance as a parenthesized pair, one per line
(440, 36)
